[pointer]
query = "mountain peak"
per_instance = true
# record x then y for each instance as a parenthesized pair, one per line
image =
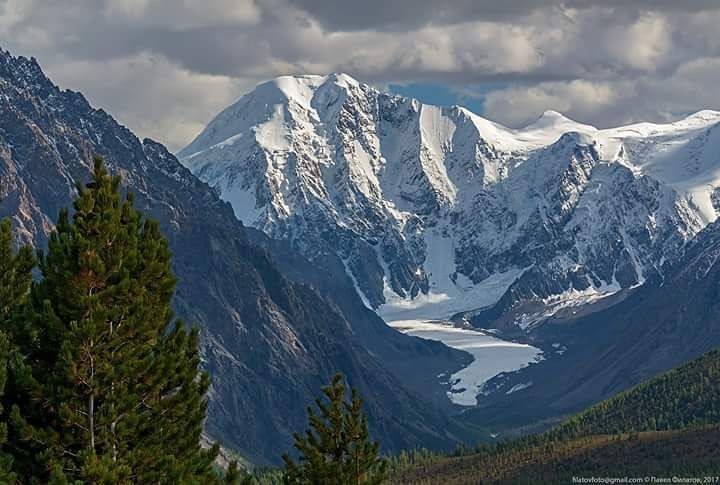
(702, 116)
(342, 78)
(552, 114)
(300, 88)
(296, 88)
(21, 69)
(291, 85)
(550, 119)
(298, 93)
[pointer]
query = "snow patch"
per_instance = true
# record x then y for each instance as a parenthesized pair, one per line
(569, 299)
(243, 204)
(519, 387)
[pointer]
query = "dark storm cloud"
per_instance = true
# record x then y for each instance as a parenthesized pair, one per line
(405, 14)
(408, 14)
(165, 66)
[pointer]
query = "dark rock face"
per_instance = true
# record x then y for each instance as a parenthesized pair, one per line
(576, 242)
(270, 340)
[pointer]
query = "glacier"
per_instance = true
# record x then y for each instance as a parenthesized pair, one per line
(491, 356)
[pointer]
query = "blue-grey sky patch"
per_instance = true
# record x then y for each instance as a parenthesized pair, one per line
(471, 97)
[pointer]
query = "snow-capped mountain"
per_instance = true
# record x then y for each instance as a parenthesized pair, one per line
(435, 210)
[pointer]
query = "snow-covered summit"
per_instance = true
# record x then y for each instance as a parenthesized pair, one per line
(553, 122)
(437, 207)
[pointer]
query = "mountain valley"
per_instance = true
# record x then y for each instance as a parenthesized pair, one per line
(322, 225)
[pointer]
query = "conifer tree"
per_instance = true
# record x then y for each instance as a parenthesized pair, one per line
(232, 474)
(15, 273)
(111, 393)
(15, 280)
(337, 450)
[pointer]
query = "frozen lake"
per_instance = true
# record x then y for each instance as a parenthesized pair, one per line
(492, 355)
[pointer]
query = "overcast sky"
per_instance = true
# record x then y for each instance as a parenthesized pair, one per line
(165, 67)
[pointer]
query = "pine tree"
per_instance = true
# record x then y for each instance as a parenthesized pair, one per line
(232, 474)
(337, 450)
(110, 393)
(15, 280)
(15, 273)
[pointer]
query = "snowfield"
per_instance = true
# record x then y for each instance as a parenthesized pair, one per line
(426, 317)
(492, 356)
(445, 298)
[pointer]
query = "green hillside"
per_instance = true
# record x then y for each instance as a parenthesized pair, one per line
(667, 426)
(688, 396)
(684, 453)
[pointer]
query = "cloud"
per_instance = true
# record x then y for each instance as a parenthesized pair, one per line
(518, 106)
(401, 15)
(181, 15)
(152, 95)
(612, 103)
(164, 67)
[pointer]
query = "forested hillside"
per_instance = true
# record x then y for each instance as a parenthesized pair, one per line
(689, 453)
(688, 396)
(666, 426)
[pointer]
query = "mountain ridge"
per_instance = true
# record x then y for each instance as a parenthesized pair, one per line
(602, 351)
(426, 203)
